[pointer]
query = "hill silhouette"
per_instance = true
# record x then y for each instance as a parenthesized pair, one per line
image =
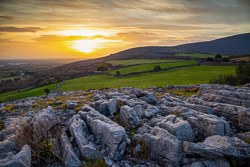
(237, 44)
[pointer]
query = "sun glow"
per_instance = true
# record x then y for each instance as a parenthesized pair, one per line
(88, 46)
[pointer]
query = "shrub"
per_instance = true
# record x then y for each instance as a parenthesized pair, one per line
(118, 73)
(225, 59)
(242, 76)
(43, 141)
(224, 79)
(101, 68)
(1, 125)
(144, 152)
(46, 90)
(218, 56)
(157, 67)
(210, 59)
(95, 163)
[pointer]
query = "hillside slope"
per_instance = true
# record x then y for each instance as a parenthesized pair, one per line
(237, 44)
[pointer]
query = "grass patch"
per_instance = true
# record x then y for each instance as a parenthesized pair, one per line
(241, 59)
(29, 93)
(147, 67)
(144, 152)
(185, 92)
(42, 139)
(198, 55)
(186, 75)
(1, 125)
(95, 163)
(138, 61)
(178, 114)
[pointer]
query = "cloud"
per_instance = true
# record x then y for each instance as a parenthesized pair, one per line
(15, 29)
(7, 17)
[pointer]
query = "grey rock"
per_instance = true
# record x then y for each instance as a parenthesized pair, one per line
(149, 98)
(7, 145)
(109, 107)
(58, 102)
(44, 121)
(68, 155)
(164, 144)
(208, 124)
(138, 148)
(151, 111)
(79, 131)
(216, 162)
(109, 134)
(86, 108)
(144, 129)
(22, 159)
(217, 147)
(129, 117)
(196, 164)
(177, 127)
(89, 152)
(138, 92)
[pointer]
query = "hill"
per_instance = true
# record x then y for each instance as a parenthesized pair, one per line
(237, 44)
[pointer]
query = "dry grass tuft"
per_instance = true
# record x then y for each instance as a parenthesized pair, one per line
(144, 152)
(178, 114)
(95, 163)
(1, 125)
(43, 141)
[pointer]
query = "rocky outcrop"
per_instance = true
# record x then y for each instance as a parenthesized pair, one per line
(21, 159)
(129, 117)
(208, 125)
(217, 147)
(164, 144)
(68, 155)
(109, 134)
(131, 127)
(176, 126)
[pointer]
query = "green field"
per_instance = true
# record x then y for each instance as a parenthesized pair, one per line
(179, 76)
(147, 67)
(29, 93)
(198, 55)
(139, 61)
(12, 78)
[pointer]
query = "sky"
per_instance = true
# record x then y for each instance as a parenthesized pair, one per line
(85, 29)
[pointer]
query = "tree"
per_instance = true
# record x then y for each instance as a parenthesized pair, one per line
(46, 90)
(118, 73)
(218, 56)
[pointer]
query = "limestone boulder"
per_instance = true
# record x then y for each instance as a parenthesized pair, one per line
(21, 159)
(129, 117)
(177, 127)
(68, 155)
(217, 147)
(163, 144)
(109, 134)
(208, 124)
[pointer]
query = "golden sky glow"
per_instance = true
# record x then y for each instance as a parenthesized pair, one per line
(94, 28)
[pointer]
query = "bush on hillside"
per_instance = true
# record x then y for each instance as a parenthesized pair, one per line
(118, 73)
(157, 67)
(242, 77)
(46, 90)
(210, 59)
(225, 59)
(101, 68)
(218, 56)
